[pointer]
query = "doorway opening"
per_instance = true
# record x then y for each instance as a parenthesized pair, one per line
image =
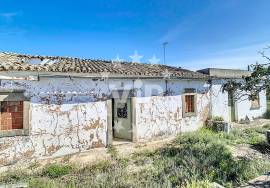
(121, 120)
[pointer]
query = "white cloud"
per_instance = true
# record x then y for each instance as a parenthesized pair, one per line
(8, 16)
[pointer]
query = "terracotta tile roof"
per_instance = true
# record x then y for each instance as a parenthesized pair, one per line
(21, 62)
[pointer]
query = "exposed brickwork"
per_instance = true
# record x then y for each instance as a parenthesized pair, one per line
(11, 115)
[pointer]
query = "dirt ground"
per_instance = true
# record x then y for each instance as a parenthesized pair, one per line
(245, 150)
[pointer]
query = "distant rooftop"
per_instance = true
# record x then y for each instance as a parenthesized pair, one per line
(225, 73)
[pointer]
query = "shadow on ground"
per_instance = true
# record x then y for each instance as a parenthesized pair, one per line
(262, 147)
(260, 182)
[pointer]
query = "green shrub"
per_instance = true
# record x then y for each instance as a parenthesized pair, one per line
(267, 114)
(203, 156)
(201, 184)
(56, 170)
(217, 118)
(245, 136)
(191, 160)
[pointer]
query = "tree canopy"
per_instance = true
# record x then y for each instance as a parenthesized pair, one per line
(258, 80)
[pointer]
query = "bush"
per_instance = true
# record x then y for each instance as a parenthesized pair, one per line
(267, 114)
(191, 160)
(246, 136)
(56, 170)
(201, 184)
(217, 118)
(203, 156)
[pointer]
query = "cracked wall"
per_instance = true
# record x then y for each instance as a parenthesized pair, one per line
(163, 115)
(70, 115)
(66, 117)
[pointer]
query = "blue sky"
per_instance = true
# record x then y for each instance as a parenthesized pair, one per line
(201, 33)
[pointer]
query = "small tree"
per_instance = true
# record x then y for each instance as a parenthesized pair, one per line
(257, 81)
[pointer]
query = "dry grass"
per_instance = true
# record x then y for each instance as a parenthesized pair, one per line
(190, 160)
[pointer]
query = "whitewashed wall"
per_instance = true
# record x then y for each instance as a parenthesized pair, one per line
(70, 115)
(219, 100)
(65, 117)
(243, 106)
(162, 116)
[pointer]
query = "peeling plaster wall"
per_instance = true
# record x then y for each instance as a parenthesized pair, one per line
(162, 116)
(70, 115)
(66, 117)
(243, 106)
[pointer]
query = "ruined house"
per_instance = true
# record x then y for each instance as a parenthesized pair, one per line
(233, 105)
(53, 106)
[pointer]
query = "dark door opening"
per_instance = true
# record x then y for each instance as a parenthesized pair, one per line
(121, 119)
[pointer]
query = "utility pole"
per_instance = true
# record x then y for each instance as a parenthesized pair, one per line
(164, 52)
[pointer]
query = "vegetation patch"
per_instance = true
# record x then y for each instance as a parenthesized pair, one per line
(267, 113)
(56, 170)
(191, 160)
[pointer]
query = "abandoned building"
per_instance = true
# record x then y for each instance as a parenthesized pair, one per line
(54, 106)
(233, 105)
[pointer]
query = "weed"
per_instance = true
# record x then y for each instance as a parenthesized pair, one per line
(112, 151)
(217, 118)
(56, 170)
(191, 160)
(267, 114)
(201, 184)
(13, 176)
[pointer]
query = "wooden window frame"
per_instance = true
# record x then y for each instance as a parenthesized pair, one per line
(16, 95)
(193, 93)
